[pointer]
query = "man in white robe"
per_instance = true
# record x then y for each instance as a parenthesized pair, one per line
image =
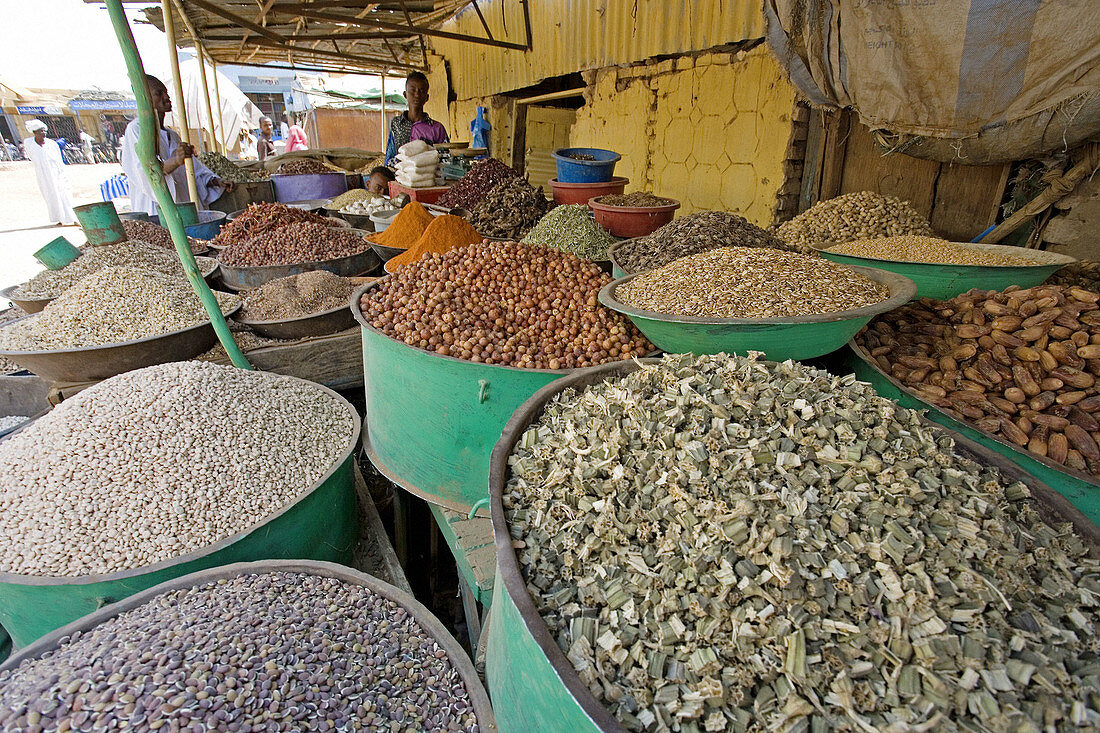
(50, 171)
(171, 152)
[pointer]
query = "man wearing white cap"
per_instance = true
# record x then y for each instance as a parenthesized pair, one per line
(50, 170)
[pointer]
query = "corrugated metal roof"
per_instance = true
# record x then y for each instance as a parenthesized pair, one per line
(574, 35)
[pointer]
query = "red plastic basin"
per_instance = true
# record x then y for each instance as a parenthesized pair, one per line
(580, 193)
(632, 221)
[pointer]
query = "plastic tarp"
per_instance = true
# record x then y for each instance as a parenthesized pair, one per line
(1024, 72)
(238, 112)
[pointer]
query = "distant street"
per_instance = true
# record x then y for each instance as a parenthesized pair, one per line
(24, 226)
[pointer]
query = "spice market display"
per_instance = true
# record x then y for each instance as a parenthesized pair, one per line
(158, 463)
(509, 210)
(695, 233)
(443, 234)
(862, 215)
(571, 228)
(483, 177)
(930, 250)
(110, 306)
(740, 282)
(361, 662)
(504, 303)
(720, 543)
(1019, 364)
(406, 228)
(264, 218)
(301, 241)
(296, 296)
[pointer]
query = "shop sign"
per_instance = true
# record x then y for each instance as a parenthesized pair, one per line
(79, 104)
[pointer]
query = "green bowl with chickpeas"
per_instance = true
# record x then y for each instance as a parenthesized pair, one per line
(942, 269)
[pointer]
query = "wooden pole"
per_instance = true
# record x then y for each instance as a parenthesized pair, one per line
(383, 125)
(206, 93)
(177, 84)
(221, 121)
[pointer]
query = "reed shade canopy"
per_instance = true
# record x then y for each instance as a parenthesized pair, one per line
(344, 36)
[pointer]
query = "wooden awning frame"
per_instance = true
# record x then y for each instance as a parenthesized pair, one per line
(344, 36)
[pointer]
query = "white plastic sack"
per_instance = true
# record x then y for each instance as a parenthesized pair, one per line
(415, 181)
(410, 149)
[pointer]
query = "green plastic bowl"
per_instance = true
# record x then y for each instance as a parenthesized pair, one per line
(798, 337)
(942, 282)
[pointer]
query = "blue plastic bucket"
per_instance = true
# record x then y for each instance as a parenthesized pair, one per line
(600, 170)
(210, 223)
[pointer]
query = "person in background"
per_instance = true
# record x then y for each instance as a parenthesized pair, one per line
(379, 180)
(86, 141)
(265, 146)
(295, 137)
(172, 152)
(246, 142)
(49, 168)
(401, 126)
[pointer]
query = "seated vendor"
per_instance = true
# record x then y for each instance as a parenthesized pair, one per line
(379, 180)
(401, 126)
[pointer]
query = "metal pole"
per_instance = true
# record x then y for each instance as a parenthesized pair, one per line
(383, 125)
(177, 83)
(206, 94)
(221, 122)
(169, 215)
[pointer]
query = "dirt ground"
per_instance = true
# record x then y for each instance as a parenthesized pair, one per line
(24, 226)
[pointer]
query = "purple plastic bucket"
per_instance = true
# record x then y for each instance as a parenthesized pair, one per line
(309, 186)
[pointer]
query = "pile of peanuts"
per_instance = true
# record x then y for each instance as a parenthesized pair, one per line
(1021, 364)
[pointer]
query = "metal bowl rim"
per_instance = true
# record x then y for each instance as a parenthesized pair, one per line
(902, 290)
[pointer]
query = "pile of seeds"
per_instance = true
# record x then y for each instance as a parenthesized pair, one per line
(246, 341)
(725, 544)
(931, 250)
(227, 170)
(510, 210)
(580, 156)
(294, 243)
(263, 219)
(325, 655)
(296, 296)
(304, 166)
(862, 215)
(640, 199)
(350, 197)
(571, 229)
(7, 422)
(738, 282)
(483, 177)
(693, 234)
(52, 283)
(147, 231)
(1021, 364)
(504, 303)
(1084, 274)
(160, 462)
(112, 305)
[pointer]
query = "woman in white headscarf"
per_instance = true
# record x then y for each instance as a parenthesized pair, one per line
(49, 167)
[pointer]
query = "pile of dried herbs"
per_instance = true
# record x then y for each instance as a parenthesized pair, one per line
(719, 543)
(510, 210)
(571, 228)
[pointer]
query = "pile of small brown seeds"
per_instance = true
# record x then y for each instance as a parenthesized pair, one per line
(52, 283)
(296, 296)
(147, 231)
(159, 462)
(693, 234)
(1020, 364)
(110, 306)
(641, 199)
(738, 282)
(265, 652)
(724, 544)
(504, 303)
(294, 243)
(852, 216)
(911, 248)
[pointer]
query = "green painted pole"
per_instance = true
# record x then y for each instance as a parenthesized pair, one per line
(147, 153)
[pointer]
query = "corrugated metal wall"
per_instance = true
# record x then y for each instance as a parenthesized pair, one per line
(575, 35)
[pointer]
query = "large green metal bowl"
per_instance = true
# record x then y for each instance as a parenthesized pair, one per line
(943, 282)
(800, 337)
(1081, 489)
(532, 683)
(432, 420)
(320, 524)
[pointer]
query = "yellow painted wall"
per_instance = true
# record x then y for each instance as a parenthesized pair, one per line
(710, 131)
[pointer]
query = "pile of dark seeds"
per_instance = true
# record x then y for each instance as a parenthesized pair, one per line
(303, 166)
(510, 210)
(298, 242)
(271, 652)
(693, 234)
(147, 231)
(483, 177)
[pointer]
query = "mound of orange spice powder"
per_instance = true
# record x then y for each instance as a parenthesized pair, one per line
(406, 227)
(442, 235)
